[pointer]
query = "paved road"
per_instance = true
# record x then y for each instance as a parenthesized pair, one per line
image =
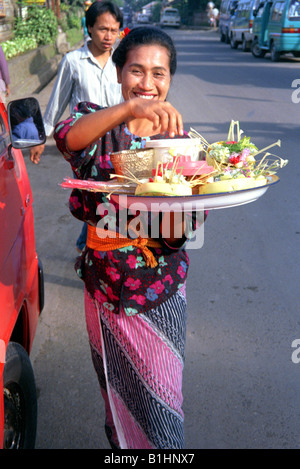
(241, 387)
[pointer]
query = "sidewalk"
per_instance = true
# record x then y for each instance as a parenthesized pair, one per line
(44, 94)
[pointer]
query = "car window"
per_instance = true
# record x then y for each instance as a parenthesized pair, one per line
(171, 13)
(277, 11)
(260, 9)
(236, 7)
(246, 9)
(256, 5)
(2, 127)
(225, 5)
(294, 10)
(280, 12)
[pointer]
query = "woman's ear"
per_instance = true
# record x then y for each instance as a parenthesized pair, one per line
(119, 74)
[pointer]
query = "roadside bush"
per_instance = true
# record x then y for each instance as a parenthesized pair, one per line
(18, 46)
(70, 17)
(39, 23)
(156, 10)
(74, 36)
(37, 29)
(74, 22)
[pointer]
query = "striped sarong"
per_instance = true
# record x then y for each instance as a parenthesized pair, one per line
(139, 363)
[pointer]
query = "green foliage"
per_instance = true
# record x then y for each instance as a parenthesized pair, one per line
(38, 28)
(74, 36)
(63, 23)
(40, 23)
(73, 21)
(120, 3)
(64, 7)
(73, 3)
(70, 17)
(18, 46)
(156, 12)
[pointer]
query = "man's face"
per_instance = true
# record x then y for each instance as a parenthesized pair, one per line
(104, 32)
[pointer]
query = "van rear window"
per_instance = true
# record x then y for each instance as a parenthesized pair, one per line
(171, 12)
(277, 11)
(294, 10)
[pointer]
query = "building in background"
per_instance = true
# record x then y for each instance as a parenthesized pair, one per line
(7, 17)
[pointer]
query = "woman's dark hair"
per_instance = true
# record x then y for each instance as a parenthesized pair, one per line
(142, 36)
(98, 8)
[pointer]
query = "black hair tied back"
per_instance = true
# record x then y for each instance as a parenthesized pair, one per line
(142, 36)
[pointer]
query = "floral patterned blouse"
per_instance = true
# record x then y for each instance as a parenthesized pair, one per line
(117, 278)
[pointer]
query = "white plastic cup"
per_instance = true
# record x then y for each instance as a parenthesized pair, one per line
(178, 146)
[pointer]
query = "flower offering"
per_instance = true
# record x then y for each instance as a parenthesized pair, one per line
(238, 163)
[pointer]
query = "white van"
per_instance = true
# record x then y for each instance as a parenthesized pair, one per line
(143, 18)
(170, 17)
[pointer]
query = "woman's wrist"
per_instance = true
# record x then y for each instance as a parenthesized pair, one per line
(172, 229)
(175, 244)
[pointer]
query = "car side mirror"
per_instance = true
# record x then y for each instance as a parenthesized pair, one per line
(26, 127)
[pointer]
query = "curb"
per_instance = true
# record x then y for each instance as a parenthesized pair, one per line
(31, 72)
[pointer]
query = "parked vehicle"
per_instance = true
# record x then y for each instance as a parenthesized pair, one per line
(143, 18)
(170, 17)
(21, 275)
(276, 29)
(240, 30)
(227, 10)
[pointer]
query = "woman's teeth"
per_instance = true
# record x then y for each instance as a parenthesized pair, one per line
(145, 96)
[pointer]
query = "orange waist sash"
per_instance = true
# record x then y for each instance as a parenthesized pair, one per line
(105, 240)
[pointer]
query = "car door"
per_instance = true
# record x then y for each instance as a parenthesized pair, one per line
(15, 200)
(274, 30)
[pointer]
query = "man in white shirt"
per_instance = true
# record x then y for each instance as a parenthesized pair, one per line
(88, 73)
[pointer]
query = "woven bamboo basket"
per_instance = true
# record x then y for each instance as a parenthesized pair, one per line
(133, 162)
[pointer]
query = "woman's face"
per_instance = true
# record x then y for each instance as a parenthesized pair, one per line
(146, 73)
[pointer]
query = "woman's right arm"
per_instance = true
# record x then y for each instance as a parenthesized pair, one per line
(91, 127)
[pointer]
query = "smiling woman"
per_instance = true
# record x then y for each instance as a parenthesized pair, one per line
(134, 291)
(145, 61)
(146, 74)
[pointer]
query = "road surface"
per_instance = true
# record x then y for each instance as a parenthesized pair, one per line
(241, 386)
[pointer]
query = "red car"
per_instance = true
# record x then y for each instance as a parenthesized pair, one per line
(21, 276)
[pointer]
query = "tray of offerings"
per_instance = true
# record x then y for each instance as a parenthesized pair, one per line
(194, 202)
(229, 176)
